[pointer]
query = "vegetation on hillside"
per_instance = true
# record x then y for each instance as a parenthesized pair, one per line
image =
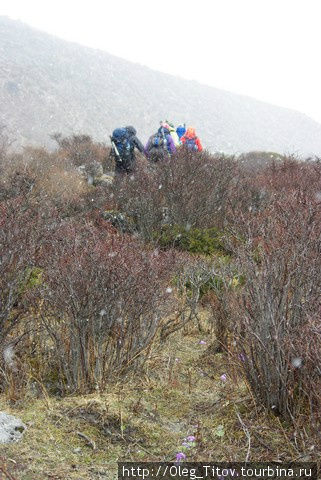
(200, 319)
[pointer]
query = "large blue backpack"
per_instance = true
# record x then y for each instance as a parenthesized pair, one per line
(159, 141)
(191, 143)
(121, 138)
(158, 146)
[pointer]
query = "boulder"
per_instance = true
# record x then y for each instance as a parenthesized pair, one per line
(93, 173)
(94, 169)
(103, 180)
(11, 428)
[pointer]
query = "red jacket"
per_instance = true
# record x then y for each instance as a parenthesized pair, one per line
(191, 135)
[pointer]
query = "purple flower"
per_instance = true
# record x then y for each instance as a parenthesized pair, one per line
(202, 342)
(223, 377)
(180, 456)
(191, 438)
(242, 357)
(186, 445)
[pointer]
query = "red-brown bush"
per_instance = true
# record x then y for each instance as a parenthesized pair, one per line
(276, 314)
(82, 150)
(104, 299)
(189, 189)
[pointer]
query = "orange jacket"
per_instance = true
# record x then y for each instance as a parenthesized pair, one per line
(189, 135)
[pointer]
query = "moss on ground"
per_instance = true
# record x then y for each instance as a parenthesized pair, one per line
(147, 419)
(202, 241)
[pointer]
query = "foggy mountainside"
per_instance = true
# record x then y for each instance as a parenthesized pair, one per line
(49, 85)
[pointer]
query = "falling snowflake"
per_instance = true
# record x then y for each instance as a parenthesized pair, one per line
(318, 196)
(297, 362)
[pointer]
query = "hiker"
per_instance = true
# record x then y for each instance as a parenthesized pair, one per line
(191, 141)
(172, 132)
(160, 145)
(181, 130)
(124, 142)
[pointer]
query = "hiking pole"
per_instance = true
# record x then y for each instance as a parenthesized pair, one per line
(115, 149)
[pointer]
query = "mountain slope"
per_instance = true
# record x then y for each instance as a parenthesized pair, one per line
(49, 85)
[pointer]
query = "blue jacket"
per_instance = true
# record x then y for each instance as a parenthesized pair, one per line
(180, 130)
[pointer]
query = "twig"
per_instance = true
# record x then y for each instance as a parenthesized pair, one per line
(3, 469)
(90, 442)
(143, 448)
(247, 433)
(133, 443)
(263, 443)
(44, 391)
(296, 450)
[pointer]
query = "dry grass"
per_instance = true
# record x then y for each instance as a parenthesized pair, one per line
(147, 418)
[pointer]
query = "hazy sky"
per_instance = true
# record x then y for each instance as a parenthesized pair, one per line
(268, 49)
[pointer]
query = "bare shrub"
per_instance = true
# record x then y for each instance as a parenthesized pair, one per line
(82, 150)
(305, 350)
(302, 178)
(203, 282)
(190, 190)
(22, 229)
(216, 298)
(46, 180)
(104, 299)
(278, 251)
(140, 197)
(63, 184)
(14, 252)
(195, 276)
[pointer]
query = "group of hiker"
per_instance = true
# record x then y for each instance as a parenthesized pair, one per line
(160, 145)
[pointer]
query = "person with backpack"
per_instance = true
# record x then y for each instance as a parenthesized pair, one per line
(173, 133)
(181, 130)
(160, 145)
(191, 141)
(124, 141)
